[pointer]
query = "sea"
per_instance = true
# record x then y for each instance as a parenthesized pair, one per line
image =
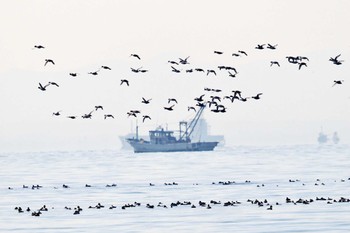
(299, 188)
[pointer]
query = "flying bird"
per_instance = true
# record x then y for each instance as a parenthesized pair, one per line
(49, 61)
(175, 70)
(184, 61)
(94, 73)
(73, 74)
(257, 96)
(108, 115)
(145, 117)
(337, 82)
(211, 71)
(38, 47)
(336, 61)
(169, 108)
(43, 88)
(106, 67)
(53, 83)
(231, 75)
(71, 117)
(191, 108)
(200, 99)
(301, 64)
(218, 52)
(172, 100)
(260, 46)
(173, 62)
(131, 114)
(87, 116)
(199, 70)
(275, 63)
(57, 113)
(242, 52)
(144, 101)
(269, 46)
(98, 107)
(124, 81)
(135, 55)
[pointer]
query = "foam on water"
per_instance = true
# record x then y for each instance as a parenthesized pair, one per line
(317, 172)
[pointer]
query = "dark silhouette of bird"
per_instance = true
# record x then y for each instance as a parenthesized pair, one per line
(73, 74)
(98, 107)
(269, 46)
(189, 71)
(231, 68)
(221, 67)
(175, 70)
(169, 108)
(337, 82)
(242, 52)
(108, 116)
(301, 64)
(257, 96)
(54, 84)
(57, 113)
(211, 71)
(213, 98)
(274, 63)
(43, 88)
(135, 55)
(172, 100)
(143, 71)
(124, 81)
(231, 75)
(199, 99)
(336, 61)
(184, 61)
(260, 46)
(173, 62)
(72, 117)
(293, 60)
(191, 108)
(49, 61)
(106, 67)
(144, 101)
(94, 72)
(199, 70)
(301, 58)
(235, 55)
(88, 115)
(135, 70)
(218, 52)
(145, 117)
(131, 114)
(38, 47)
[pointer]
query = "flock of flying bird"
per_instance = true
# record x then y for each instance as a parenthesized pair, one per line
(213, 101)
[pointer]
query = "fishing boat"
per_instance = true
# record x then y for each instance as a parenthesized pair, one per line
(161, 140)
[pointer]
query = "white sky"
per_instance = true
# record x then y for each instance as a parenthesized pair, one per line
(80, 36)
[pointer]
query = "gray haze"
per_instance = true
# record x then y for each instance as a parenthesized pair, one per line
(81, 36)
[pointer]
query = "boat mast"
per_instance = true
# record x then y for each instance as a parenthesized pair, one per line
(193, 123)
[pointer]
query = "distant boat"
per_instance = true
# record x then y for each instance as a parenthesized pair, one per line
(200, 133)
(164, 140)
(322, 138)
(335, 138)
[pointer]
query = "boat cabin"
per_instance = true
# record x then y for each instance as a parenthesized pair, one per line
(162, 136)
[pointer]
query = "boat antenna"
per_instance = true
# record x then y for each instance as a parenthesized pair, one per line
(137, 130)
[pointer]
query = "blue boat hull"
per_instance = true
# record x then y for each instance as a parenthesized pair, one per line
(143, 147)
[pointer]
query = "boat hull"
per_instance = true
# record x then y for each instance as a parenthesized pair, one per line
(140, 147)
